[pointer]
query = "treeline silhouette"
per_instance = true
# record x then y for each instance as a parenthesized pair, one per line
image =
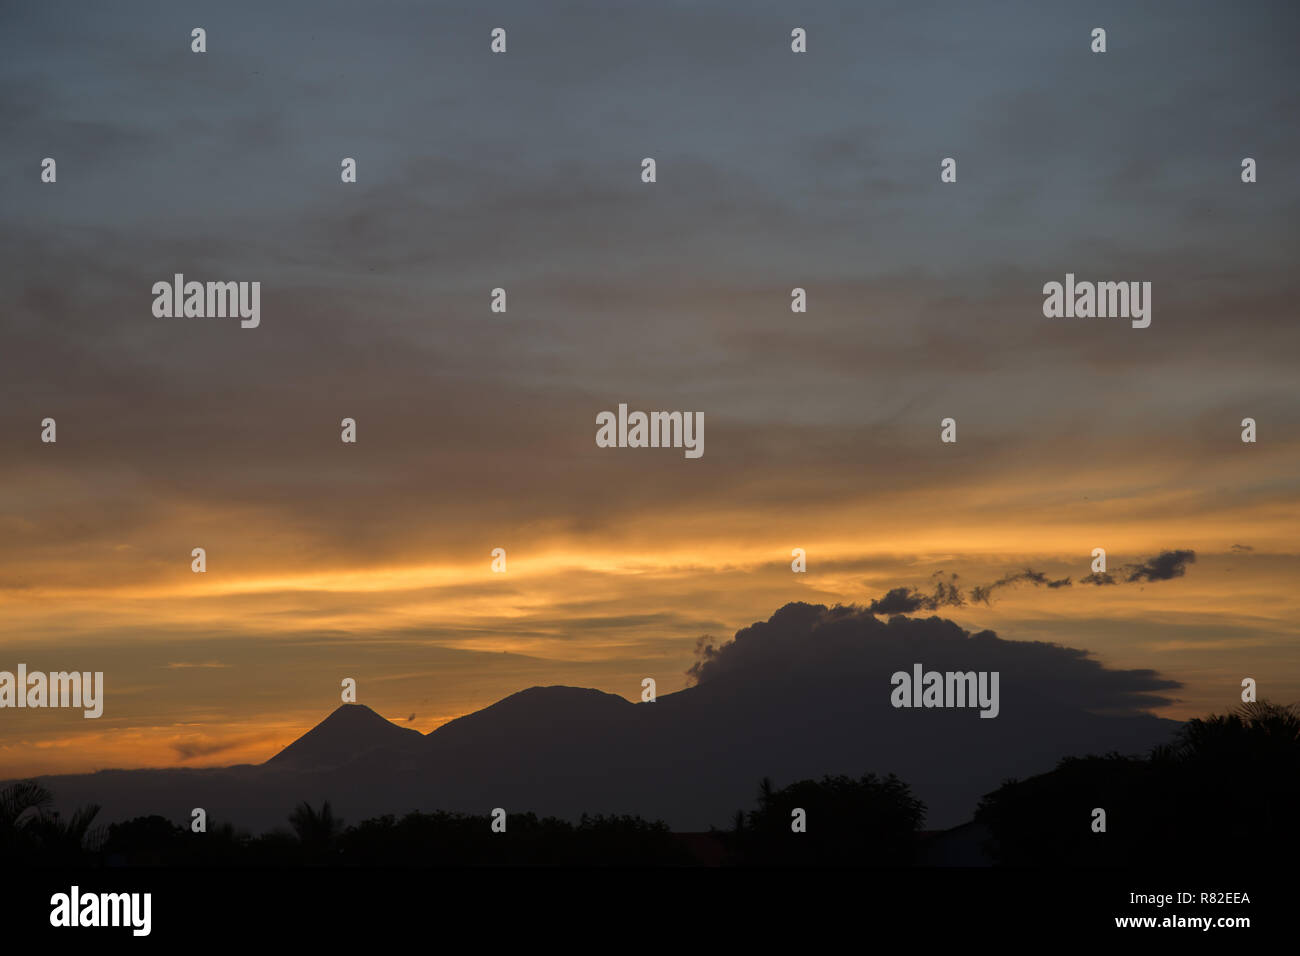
(318, 837)
(1227, 785)
(1226, 789)
(33, 834)
(854, 821)
(866, 822)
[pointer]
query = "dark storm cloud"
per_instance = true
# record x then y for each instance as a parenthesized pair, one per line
(831, 641)
(1163, 567)
(983, 593)
(905, 600)
(1098, 578)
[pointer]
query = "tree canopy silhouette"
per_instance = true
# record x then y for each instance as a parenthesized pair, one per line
(31, 830)
(870, 821)
(1227, 784)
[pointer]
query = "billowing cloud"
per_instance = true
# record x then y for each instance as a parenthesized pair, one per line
(906, 600)
(1163, 567)
(832, 641)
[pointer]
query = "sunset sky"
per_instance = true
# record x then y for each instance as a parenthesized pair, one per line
(476, 430)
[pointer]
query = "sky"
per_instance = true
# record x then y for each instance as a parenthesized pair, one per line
(476, 430)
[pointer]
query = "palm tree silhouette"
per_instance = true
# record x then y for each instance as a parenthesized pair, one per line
(316, 831)
(1252, 730)
(66, 838)
(1259, 742)
(20, 803)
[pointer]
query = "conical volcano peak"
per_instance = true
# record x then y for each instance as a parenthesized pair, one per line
(349, 731)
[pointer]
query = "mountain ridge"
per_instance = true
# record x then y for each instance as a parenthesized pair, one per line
(803, 695)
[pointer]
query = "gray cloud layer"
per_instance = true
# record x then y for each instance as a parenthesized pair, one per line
(521, 171)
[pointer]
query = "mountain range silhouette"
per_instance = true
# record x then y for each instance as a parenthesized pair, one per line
(802, 695)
